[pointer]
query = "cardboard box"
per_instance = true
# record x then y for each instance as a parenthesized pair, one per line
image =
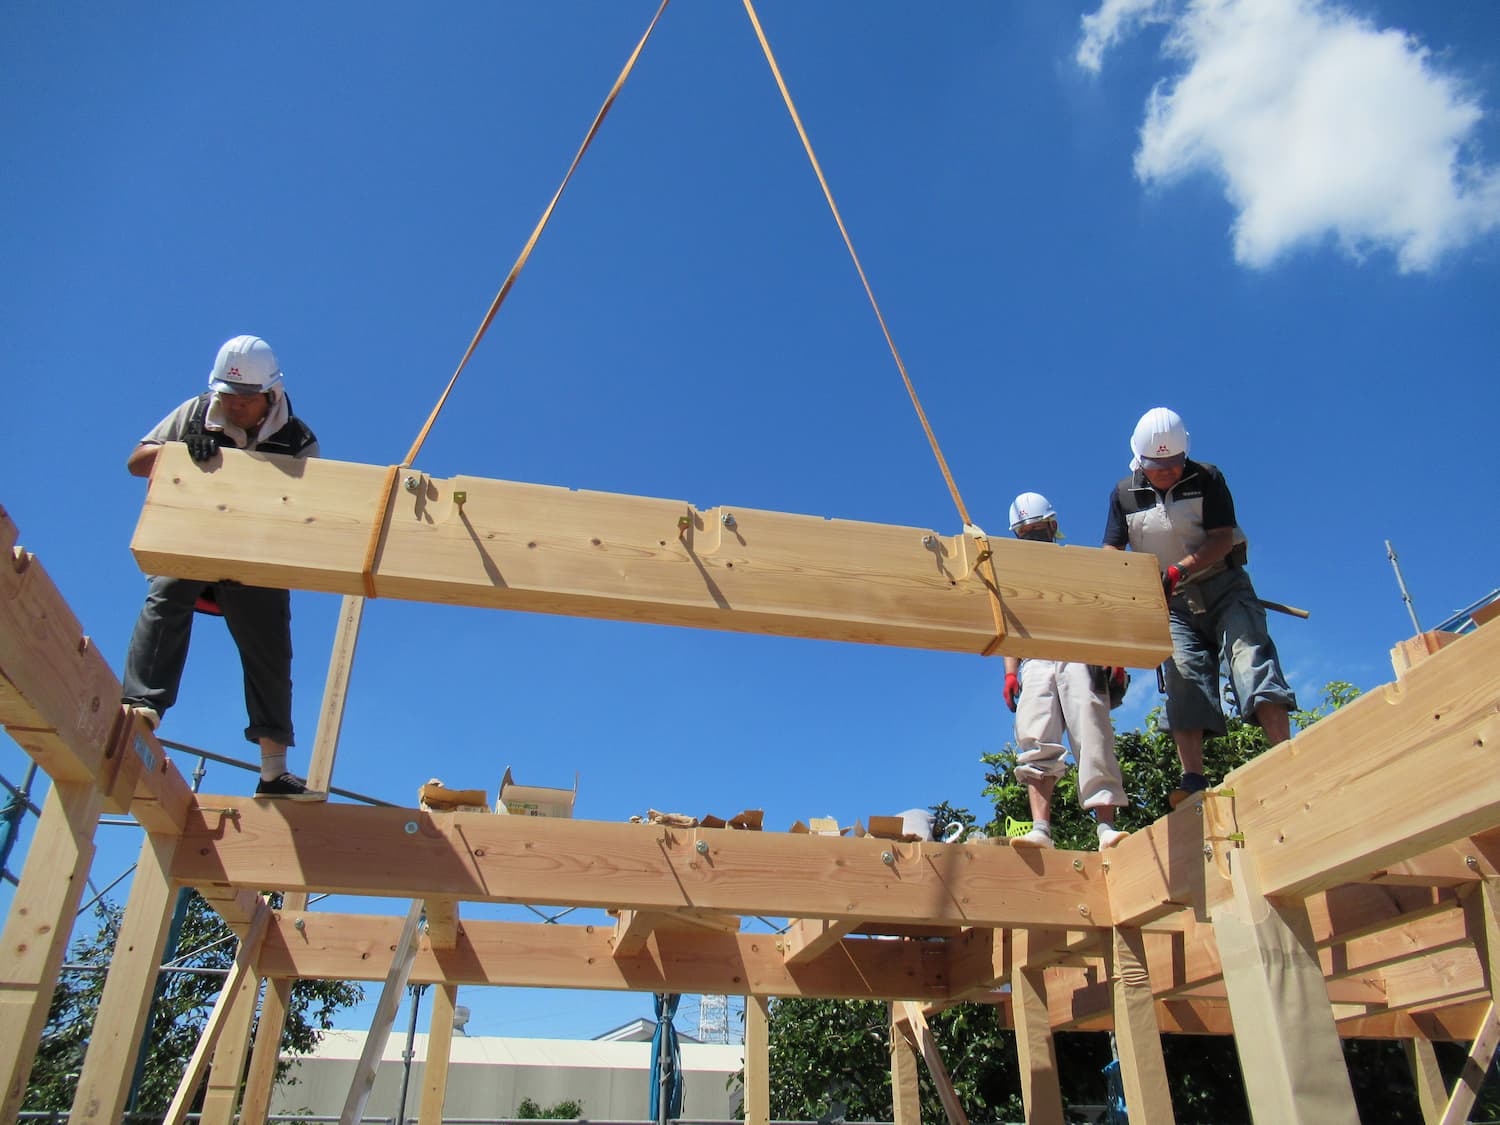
(436, 797)
(534, 800)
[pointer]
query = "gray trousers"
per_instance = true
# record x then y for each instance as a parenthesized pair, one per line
(259, 620)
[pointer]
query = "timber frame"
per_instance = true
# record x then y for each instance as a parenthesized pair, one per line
(1329, 888)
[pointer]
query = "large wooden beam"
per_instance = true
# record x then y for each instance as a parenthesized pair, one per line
(273, 521)
(351, 849)
(332, 946)
(1335, 803)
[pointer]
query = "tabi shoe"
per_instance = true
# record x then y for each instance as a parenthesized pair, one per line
(1108, 835)
(289, 787)
(1036, 838)
(147, 715)
(1191, 783)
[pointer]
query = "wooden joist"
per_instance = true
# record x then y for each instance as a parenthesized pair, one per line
(274, 521)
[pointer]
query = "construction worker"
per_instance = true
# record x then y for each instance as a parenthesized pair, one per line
(1181, 511)
(1053, 697)
(245, 407)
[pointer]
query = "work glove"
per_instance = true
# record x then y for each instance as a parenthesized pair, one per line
(1173, 578)
(1119, 681)
(1012, 689)
(201, 445)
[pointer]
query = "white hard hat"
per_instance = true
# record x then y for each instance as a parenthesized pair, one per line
(1159, 436)
(245, 365)
(1030, 507)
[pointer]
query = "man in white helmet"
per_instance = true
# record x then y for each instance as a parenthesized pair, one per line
(1181, 511)
(245, 407)
(1055, 697)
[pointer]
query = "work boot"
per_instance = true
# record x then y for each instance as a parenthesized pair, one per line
(1191, 783)
(289, 787)
(1036, 838)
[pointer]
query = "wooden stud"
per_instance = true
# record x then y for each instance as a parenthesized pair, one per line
(36, 931)
(439, 1047)
(442, 922)
(757, 1060)
(1142, 1067)
(906, 1094)
(910, 1015)
(335, 693)
(280, 522)
(266, 1053)
(1041, 1091)
(1476, 1066)
(1284, 1030)
(807, 939)
(243, 968)
(231, 1053)
(120, 1022)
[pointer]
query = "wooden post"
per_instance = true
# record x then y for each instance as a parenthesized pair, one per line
(230, 1055)
(1142, 1068)
(120, 1024)
(1284, 1032)
(1427, 1077)
(40, 923)
(757, 1060)
(266, 1053)
(906, 1098)
(1482, 915)
(1040, 1090)
(912, 1017)
(1481, 1054)
(439, 1048)
(244, 962)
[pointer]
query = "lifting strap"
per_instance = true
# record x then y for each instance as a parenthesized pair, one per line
(986, 560)
(377, 530)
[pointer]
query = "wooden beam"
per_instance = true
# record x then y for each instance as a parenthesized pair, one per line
(978, 960)
(1427, 1077)
(120, 1022)
(1349, 813)
(332, 946)
(1284, 1029)
(37, 928)
(1476, 1066)
(1143, 1069)
(906, 1094)
(439, 1047)
(757, 1060)
(1041, 1091)
(265, 1054)
(911, 1017)
(243, 967)
(352, 849)
(273, 521)
(1159, 870)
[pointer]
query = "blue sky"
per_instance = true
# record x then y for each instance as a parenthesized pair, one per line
(1278, 218)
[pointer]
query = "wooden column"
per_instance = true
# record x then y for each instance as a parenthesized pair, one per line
(1040, 1090)
(266, 1053)
(757, 1060)
(120, 1024)
(906, 1097)
(1482, 918)
(916, 1023)
(37, 931)
(230, 1055)
(1481, 1054)
(1427, 1077)
(439, 1048)
(1284, 1032)
(1142, 1068)
(243, 967)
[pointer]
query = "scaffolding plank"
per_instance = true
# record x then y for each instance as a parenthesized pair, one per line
(275, 521)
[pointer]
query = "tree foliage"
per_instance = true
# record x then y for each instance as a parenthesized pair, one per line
(567, 1110)
(831, 1054)
(183, 1003)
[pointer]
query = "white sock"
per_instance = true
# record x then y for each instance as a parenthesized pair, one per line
(272, 765)
(1043, 826)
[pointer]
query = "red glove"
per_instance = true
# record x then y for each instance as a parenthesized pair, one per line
(1172, 579)
(1012, 689)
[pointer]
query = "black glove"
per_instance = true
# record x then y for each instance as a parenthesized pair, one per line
(201, 445)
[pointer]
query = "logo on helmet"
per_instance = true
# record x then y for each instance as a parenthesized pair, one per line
(233, 373)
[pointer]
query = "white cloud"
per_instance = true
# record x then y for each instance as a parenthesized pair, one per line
(1112, 22)
(1319, 125)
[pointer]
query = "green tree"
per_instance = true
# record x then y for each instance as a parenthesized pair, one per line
(568, 1110)
(181, 1011)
